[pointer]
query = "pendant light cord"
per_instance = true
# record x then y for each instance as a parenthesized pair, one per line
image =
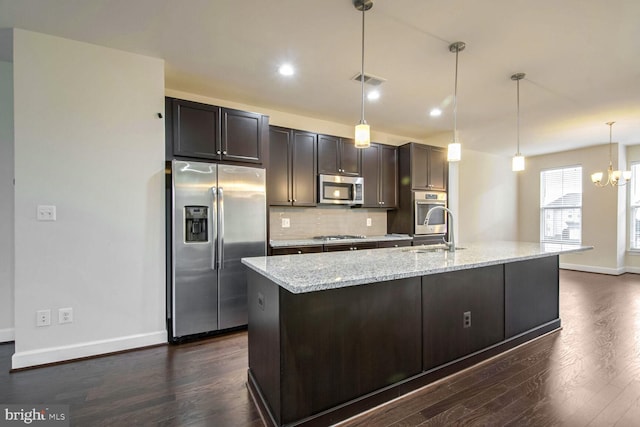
(518, 118)
(455, 101)
(362, 121)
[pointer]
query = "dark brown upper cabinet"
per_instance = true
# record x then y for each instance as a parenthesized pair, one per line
(338, 156)
(209, 132)
(291, 173)
(380, 173)
(427, 169)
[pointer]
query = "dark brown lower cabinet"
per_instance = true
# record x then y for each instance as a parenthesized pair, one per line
(350, 247)
(463, 313)
(531, 294)
(290, 250)
(320, 357)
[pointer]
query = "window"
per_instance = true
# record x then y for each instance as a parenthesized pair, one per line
(561, 205)
(634, 204)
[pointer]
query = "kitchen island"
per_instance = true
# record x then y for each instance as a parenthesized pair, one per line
(334, 334)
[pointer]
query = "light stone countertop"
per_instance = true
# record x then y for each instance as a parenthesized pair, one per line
(314, 242)
(331, 270)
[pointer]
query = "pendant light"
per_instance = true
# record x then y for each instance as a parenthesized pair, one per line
(517, 163)
(454, 150)
(613, 177)
(362, 132)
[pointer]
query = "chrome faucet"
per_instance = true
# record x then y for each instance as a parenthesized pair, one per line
(451, 244)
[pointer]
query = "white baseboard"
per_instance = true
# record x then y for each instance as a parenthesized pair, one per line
(43, 356)
(7, 335)
(634, 270)
(594, 269)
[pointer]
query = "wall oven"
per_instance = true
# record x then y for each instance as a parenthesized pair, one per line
(340, 190)
(423, 202)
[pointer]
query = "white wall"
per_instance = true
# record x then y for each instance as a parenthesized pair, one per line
(600, 208)
(87, 140)
(6, 200)
(487, 198)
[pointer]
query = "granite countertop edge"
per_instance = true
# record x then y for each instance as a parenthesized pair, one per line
(333, 270)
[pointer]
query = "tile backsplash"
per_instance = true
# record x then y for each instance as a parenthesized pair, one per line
(321, 221)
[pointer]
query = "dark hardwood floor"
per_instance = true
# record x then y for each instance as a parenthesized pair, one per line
(588, 374)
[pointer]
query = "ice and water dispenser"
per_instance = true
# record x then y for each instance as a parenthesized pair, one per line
(196, 218)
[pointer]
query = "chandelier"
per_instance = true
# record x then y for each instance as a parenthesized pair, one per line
(613, 176)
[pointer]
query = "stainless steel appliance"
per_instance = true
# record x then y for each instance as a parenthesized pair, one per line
(218, 216)
(423, 202)
(341, 190)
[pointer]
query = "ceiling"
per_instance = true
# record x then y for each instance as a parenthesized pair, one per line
(581, 59)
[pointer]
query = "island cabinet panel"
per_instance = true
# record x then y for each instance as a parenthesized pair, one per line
(531, 294)
(446, 298)
(335, 345)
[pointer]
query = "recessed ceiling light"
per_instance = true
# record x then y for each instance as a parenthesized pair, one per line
(436, 112)
(373, 95)
(286, 70)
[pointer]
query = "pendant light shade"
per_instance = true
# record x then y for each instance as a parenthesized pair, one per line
(363, 135)
(454, 149)
(517, 163)
(362, 131)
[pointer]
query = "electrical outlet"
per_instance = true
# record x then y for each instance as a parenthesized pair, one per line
(46, 213)
(368, 222)
(286, 223)
(466, 319)
(65, 315)
(43, 317)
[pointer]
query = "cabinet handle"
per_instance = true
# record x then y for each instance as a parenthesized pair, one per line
(224, 153)
(295, 200)
(395, 246)
(382, 203)
(301, 251)
(218, 152)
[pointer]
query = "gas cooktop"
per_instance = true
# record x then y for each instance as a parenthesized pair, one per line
(340, 237)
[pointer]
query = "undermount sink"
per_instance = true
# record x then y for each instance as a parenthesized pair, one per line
(430, 249)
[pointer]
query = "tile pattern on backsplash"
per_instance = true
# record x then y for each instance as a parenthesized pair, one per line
(321, 221)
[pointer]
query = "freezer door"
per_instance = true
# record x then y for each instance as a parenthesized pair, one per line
(195, 280)
(242, 232)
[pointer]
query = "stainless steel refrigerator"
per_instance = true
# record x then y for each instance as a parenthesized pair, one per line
(218, 217)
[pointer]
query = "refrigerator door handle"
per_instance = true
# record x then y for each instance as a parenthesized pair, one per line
(220, 228)
(214, 222)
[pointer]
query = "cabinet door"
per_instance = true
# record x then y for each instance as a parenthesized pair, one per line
(279, 168)
(349, 157)
(371, 174)
(350, 246)
(438, 168)
(241, 136)
(394, 243)
(388, 176)
(196, 129)
(419, 167)
(303, 168)
(328, 154)
(291, 250)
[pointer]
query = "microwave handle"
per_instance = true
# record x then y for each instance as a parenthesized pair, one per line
(354, 191)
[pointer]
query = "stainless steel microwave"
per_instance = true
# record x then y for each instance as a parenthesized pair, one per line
(340, 190)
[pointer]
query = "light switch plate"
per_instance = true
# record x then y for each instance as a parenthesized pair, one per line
(46, 213)
(368, 222)
(286, 223)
